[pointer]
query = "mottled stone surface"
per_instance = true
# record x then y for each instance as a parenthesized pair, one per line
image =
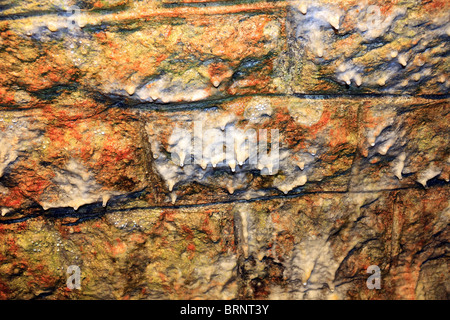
(100, 99)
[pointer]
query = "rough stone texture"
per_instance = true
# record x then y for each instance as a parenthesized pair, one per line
(96, 108)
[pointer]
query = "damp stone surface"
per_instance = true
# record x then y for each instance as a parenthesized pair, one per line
(254, 150)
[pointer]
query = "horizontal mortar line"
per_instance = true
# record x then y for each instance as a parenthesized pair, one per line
(208, 103)
(198, 3)
(267, 198)
(118, 101)
(225, 2)
(97, 18)
(83, 216)
(28, 14)
(372, 95)
(19, 220)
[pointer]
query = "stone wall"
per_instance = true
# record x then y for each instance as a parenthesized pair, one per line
(99, 103)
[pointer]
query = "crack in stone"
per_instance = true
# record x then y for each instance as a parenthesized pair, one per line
(64, 212)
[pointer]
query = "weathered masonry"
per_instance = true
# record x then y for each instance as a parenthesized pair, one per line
(96, 98)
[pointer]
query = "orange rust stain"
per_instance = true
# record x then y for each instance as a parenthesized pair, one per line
(117, 248)
(339, 135)
(138, 237)
(5, 96)
(162, 276)
(98, 4)
(13, 248)
(188, 231)
(191, 250)
(101, 35)
(168, 215)
(276, 218)
(435, 5)
(161, 58)
(323, 121)
(191, 247)
(219, 72)
(14, 199)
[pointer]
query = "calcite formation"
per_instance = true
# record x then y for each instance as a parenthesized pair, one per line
(112, 114)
